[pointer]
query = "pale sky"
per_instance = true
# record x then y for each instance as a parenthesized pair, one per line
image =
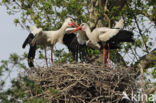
(11, 40)
(11, 37)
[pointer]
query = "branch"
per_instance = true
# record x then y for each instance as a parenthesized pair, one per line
(141, 34)
(151, 90)
(148, 60)
(120, 59)
(150, 16)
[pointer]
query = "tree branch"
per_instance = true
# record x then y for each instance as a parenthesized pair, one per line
(148, 60)
(151, 90)
(141, 34)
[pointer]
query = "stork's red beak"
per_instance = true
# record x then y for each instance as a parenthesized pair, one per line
(78, 28)
(73, 24)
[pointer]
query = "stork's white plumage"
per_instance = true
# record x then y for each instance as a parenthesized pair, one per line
(49, 38)
(101, 34)
(107, 35)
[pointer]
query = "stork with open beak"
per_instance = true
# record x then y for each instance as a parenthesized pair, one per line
(106, 35)
(47, 38)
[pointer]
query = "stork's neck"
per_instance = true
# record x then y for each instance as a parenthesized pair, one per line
(61, 32)
(88, 32)
(63, 28)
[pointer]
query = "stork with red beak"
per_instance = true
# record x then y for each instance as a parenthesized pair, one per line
(46, 38)
(106, 35)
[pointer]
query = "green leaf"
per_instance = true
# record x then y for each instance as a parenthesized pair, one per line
(16, 21)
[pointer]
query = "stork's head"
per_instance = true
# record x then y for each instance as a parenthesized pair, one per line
(83, 26)
(70, 22)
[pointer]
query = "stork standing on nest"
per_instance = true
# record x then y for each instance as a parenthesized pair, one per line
(48, 38)
(106, 35)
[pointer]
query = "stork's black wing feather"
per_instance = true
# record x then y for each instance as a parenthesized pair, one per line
(122, 36)
(32, 49)
(28, 40)
(31, 55)
(70, 40)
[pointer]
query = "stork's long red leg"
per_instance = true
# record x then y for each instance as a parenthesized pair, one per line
(46, 57)
(51, 55)
(103, 56)
(108, 55)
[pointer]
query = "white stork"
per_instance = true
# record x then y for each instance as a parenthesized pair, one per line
(48, 38)
(106, 35)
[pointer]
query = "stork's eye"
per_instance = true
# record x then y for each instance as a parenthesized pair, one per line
(82, 24)
(71, 19)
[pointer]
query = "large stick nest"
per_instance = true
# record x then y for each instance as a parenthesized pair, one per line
(81, 83)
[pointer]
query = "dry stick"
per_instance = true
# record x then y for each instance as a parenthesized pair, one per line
(8, 76)
(78, 97)
(116, 85)
(142, 84)
(96, 98)
(85, 74)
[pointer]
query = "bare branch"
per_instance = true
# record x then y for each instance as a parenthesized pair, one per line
(151, 90)
(141, 34)
(147, 60)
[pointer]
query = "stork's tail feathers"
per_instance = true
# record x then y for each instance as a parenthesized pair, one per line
(114, 42)
(28, 40)
(123, 36)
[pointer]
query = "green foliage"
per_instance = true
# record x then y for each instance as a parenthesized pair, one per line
(54, 91)
(63, 57)
(41, 56)
(154, 72)
(36, 100)
(49, 14)
(16, 21)
(44, 13)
